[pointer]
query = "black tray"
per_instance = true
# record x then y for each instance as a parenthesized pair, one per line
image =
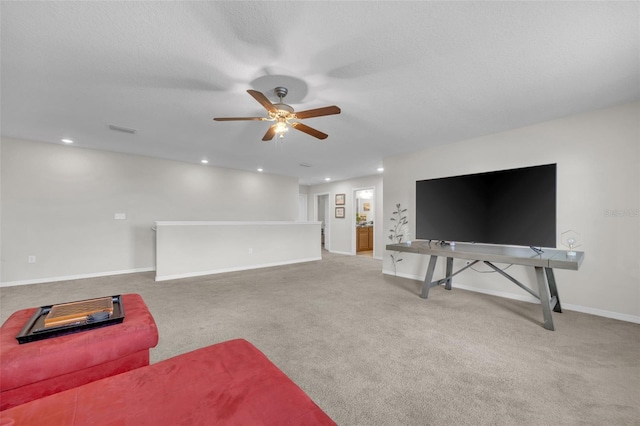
(34, 328)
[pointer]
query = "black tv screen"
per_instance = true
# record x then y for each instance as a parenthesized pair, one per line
(510, 207)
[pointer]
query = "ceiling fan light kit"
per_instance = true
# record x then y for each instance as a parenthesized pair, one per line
(283, 115)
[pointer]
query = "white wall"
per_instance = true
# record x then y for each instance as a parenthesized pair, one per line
(189, 249)
(343, 230)
(58, 204)
(598, 172)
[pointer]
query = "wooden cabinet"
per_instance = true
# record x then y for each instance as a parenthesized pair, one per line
(364, 238)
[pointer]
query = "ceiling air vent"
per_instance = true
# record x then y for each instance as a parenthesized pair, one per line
(305, 165)
(122, 129)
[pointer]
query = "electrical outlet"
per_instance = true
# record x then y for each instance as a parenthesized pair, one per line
(120, 216)
(250, 251)
(31, 259)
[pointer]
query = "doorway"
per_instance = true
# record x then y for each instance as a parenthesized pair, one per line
(321, 214)
(364, 202)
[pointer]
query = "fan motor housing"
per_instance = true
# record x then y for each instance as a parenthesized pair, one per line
(284, 107)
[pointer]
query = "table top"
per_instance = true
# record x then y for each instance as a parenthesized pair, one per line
(549, 258)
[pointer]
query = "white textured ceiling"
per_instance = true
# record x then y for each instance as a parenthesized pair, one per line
(407, 75)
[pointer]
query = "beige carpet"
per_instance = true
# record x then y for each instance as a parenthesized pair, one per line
(369, 351)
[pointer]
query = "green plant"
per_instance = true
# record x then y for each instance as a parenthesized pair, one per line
(396, 233)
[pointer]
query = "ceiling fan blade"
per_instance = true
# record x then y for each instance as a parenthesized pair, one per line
(239, 118)
(270, 133)
(266, 103)
(309, 130)
(318, 112)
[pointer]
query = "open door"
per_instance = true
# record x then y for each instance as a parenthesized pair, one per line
(364, 202)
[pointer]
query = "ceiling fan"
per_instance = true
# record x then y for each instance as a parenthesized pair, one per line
(283, 115)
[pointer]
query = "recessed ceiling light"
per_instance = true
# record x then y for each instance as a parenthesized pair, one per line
(381, 169)
(204, 161)
(327, 179)
(67, 141)
(259, 169)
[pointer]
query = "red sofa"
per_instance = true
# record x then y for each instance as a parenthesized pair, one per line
(230, 383)
(37, 369)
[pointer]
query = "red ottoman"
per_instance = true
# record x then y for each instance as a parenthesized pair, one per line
(231, 383)
(37, 369)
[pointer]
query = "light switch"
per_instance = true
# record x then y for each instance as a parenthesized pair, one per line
(120, 216)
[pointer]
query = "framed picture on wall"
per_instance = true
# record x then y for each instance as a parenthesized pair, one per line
(339, 200)
(340, 212)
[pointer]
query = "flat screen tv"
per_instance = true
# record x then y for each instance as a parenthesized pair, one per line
(508, 207)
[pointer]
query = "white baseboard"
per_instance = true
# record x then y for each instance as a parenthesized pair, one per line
(602, 313)
(531, 299)
(75, 277)
(235, 269)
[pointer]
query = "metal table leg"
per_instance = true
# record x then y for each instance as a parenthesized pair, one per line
(551, 279)
(449, 272)
(545, 299)
(426, 285)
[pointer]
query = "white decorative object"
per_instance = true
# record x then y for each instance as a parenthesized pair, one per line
(570, 240)
(396, 235)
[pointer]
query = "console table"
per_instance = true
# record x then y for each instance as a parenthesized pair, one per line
(544, 263)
